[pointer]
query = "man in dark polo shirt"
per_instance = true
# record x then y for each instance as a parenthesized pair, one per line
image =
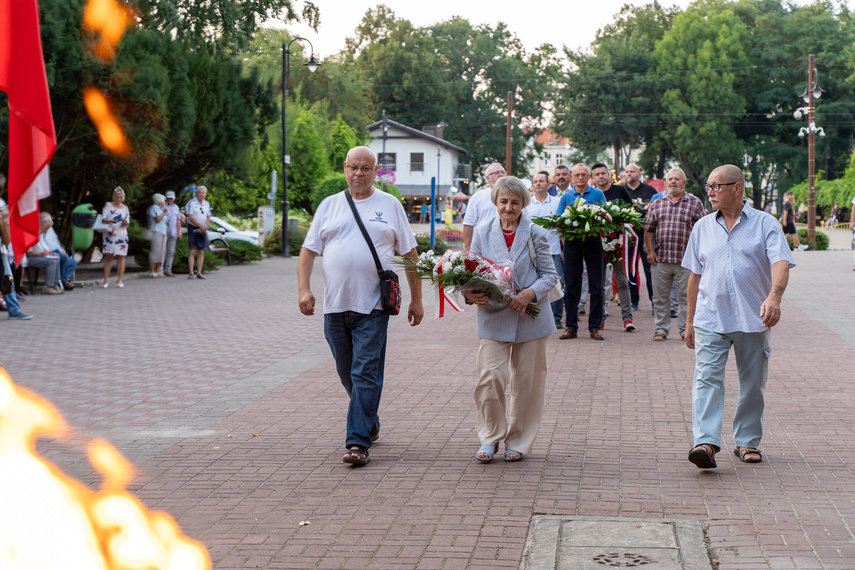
(638, 189)
(602, 179)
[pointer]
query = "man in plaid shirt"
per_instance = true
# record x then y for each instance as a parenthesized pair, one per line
(669, 223)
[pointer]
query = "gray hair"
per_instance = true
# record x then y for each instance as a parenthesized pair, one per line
(513, 185)
(158, 199)
(499, 164)
(118, 190)
(675, 169)
(588, 168)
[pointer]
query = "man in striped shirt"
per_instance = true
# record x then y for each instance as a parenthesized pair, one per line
(669, 223)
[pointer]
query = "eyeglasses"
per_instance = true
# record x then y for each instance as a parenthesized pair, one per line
(497, 173)
(715, 186)
(580, 175)
(363, 169)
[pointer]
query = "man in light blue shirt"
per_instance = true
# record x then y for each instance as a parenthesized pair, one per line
(740, 263)
(543, 204)
(577, 252)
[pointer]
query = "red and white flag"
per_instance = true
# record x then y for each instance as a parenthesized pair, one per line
(32, 138)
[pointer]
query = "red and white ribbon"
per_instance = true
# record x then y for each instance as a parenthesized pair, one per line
(441, 297)
(630, 263)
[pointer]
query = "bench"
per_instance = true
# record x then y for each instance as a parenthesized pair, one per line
(220, 249)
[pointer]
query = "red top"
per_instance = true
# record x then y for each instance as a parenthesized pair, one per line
(509, 239)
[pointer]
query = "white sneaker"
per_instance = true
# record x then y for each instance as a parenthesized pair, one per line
(802, 247)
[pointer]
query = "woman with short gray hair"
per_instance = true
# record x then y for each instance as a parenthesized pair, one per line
(511, 362)
(157, 235)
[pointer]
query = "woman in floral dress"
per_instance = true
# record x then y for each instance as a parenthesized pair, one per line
(116, 240)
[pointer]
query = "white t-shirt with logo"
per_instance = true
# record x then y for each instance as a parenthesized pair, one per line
(480, 208)
(351, 282)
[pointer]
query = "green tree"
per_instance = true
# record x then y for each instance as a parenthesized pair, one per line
(184, 103)
(309, 162)
(611, 96)
(705, 57)
(342, 139)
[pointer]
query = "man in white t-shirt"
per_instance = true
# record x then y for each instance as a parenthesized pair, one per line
(354, 324)
(198, 217)
(481, 207)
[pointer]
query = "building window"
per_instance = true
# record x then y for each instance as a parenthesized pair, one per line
(546, 160)
(417, 162)
(559, 159)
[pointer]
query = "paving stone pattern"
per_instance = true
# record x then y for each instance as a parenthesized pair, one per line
(226, 399)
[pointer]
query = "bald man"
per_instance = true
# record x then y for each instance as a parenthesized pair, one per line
(355, 326)
(739, 264)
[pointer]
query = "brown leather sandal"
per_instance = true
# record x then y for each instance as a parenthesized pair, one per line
(741, 452)
(703, 455)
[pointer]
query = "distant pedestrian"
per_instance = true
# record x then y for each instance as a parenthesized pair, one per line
(157, 236)
(198, 217)
(355, 326)
(67, 264)
(10, 299)
(639, 190)
(542, 204)
(174, 219)
(739, 264)
(117, 215)
(481, 209)
(788, 221)
(669, 222)
(424, 214)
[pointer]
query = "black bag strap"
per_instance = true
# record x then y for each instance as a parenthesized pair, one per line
(364, 233)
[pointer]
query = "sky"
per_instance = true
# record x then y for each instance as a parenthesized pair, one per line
(573, 23)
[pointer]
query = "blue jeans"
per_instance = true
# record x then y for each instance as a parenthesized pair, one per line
(558, 306)
(752, 367)
(358, 345)
(12, 306)
(67, 267)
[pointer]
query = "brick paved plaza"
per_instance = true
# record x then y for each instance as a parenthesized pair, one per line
(226, 399)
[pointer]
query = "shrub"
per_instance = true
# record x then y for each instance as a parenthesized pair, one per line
(821, 239)
(423, 244)
(244, 252)
(273, 243)
(332, 184)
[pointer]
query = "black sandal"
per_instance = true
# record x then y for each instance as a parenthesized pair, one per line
(703, 455)
(361, 454)
(741, 452)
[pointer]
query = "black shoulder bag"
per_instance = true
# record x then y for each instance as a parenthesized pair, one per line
(390, 288)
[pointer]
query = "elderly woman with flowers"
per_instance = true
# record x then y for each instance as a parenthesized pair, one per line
(511, 362)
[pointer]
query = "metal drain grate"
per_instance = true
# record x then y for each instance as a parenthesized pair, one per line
(622, 559)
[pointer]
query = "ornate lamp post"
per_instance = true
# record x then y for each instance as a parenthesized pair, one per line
(812, 92)
(311, 65)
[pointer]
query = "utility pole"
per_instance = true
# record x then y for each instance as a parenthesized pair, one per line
(813, 84)
(510, 134)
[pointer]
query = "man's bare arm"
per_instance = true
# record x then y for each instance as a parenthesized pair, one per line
(304, 274)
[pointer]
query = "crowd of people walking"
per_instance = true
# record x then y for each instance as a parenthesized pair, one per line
(729, 269)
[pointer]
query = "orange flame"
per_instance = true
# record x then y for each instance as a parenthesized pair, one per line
(50, 520)
(105, 121)
(109, 19)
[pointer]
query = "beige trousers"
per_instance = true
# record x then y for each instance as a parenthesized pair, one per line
(518, 371)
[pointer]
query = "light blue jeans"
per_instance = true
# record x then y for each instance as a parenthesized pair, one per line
(752, 367)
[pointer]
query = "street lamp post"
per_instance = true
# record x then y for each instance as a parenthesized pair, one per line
(812, 92)
(311, 65)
